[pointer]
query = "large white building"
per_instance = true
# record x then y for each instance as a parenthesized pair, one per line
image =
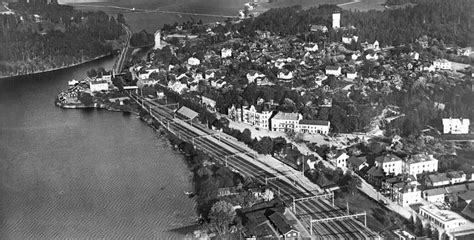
(256, 116)
(336, 20)
(97, 86)
(285, 121)
(313, 126)
(420, 163)
(390, 164)
(409, 194)
(456, 125)
(444, 219)
(442, 64)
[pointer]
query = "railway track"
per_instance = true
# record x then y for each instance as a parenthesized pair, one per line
(245, 163)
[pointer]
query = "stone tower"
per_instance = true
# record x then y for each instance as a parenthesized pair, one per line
(336, 20)
(157, 40)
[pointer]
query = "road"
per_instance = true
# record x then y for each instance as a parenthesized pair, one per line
(248, 163)
(118, 65)
(158, 10)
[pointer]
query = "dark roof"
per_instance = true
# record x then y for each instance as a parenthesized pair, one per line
(469, 195)
(314, 122)
(455, 174)
(280, 222)
(438, 177)
(470, 186)
(456, 188)
(331, 67)
(387, 158)
(376, 172)
(434, 191)
(186, 112)
(356, 161)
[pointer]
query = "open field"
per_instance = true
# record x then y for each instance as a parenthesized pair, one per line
(364, 5)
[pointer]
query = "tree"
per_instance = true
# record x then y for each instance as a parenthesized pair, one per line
(246, 136)
(221, 217)
(354, 184)
(120, 18)
(418, 227)
(85, 98)
(268, 195)
(435, 234)
(264, 146)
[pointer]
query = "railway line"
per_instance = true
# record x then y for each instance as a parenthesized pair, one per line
(225, 150)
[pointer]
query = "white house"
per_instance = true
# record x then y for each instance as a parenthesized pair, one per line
(435, 195)
(318, 28)
(209, 74)
(409, 194)
(218, 83)
(349, 39)
(442, 64)
(436, 179)
(351, 74)
(285, 76)
(414, 55)
(209, 103)
(333, 70)
(226, 52)
(313, 126)
(445, 219)
(97, 86)
(177, 86)
(253, 75)
(193, 61)
(311, 47)
(390, 164)
(283, 121)
(256, 116)
(340, 159)
(456, 125)
(456, 177)
(420, 163)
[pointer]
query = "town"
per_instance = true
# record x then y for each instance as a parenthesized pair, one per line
(355, 116)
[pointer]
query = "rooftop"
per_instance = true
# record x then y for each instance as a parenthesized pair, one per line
(443, 215)
(186, 112)
(434, 191)
(469, 195)
(357, 161)
(387, 158)
(286, 116)
(314, 122)
(420, 158)
(438, 177)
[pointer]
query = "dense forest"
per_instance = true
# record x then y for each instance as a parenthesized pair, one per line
(46, 36)
(447, 21)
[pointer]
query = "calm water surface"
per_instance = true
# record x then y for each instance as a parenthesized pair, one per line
(84, 174)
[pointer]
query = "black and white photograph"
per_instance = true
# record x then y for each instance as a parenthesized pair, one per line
(236, 119)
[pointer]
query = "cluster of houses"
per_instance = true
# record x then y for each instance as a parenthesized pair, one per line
(416, 183)
(262, 117)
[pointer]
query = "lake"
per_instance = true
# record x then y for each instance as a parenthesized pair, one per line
(84, 173)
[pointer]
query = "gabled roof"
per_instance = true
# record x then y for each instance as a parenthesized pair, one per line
(356, 161)
(455, 174)
(280, 222)
(375, 172)
(331, 67)
(186, 112)
(314, 122)
(456, 188)
(438, 177)
(435, 192)
(469, 195)
(286, 116)
(387, 158)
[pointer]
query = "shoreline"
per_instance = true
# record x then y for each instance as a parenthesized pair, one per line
(59, 68)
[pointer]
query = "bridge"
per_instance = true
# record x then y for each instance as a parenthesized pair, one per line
(120, 62)
(222, 148)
